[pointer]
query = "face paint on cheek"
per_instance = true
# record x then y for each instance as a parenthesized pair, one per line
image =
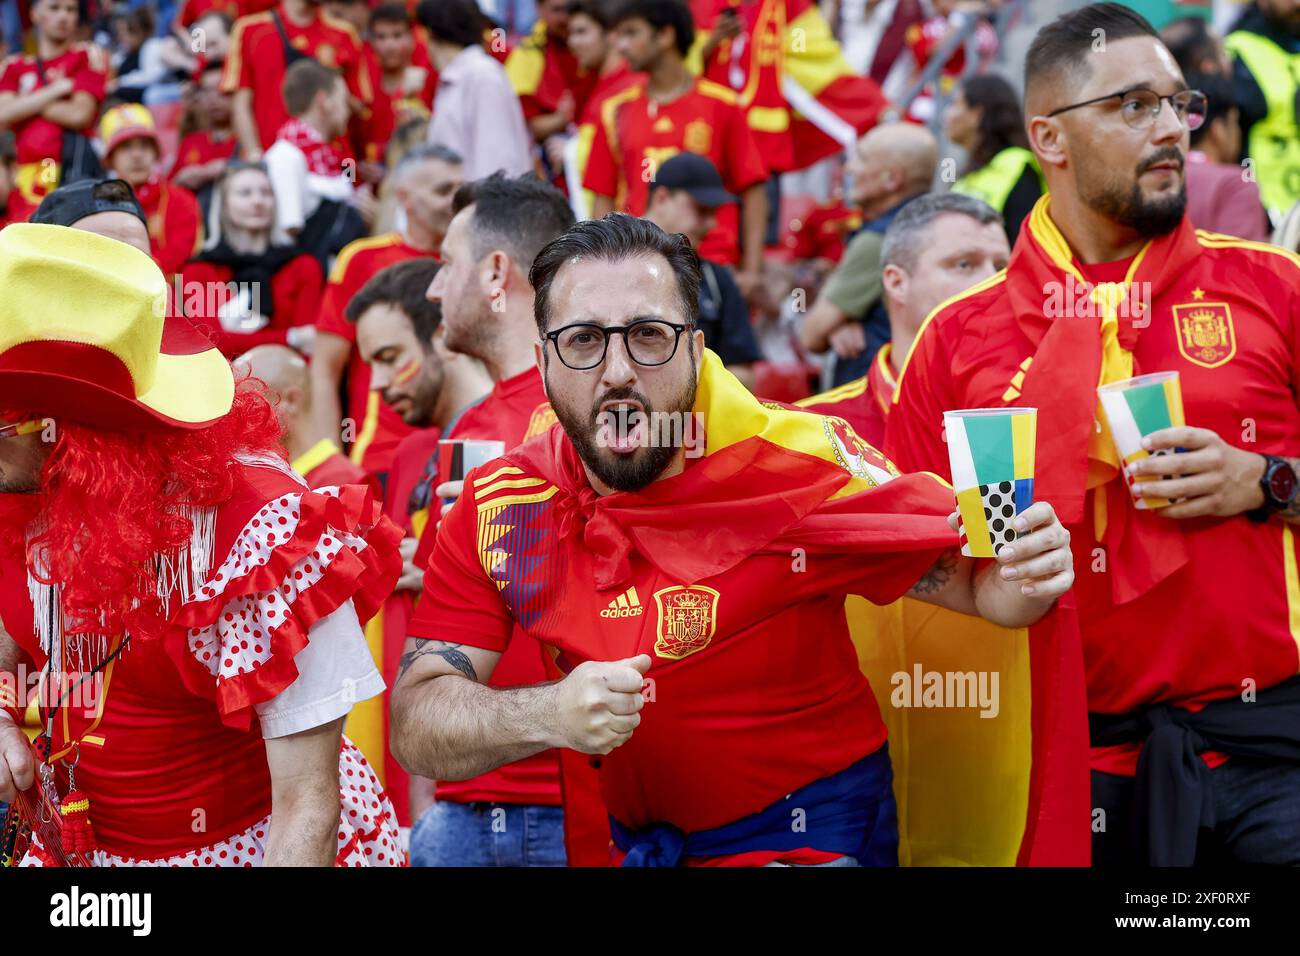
(408, 371)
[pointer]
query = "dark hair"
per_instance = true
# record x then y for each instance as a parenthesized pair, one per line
(1064, 44)
(389, 13)
(908, 231)
(518, 215)
(403, 286)
(659, 14)
(1002, 123)
(597, 10)
(114, 190)
(613, 238)
(1190, 41)
(1219, 101)
(452, 21)
(303, 81)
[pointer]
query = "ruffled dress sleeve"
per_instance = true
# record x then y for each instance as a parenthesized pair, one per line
(290, 556)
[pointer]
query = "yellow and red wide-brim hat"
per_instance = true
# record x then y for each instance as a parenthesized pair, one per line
(85, 336)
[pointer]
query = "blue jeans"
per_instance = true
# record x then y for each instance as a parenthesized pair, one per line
(488, 834)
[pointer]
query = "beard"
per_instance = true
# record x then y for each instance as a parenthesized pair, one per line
(630, 471)
(423, 397)
(1148, 217)
(470, 334)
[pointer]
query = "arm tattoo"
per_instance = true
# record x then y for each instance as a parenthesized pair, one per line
(448, 652)
(940, 573)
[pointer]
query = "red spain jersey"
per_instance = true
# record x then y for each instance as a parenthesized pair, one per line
(202, 147)
(295, 293)
(379, 428)
(175, 227)
(381, 119)
(86, 64)
(542, 69)
(256, 62)
(516, 409)
(1178, 611)
(863, 402)
(636, 134)
(696, 572)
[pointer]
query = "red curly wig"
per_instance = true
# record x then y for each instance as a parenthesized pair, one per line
(110, 501)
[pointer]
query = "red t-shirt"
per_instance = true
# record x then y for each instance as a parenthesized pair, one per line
(191, 11)
(379, 428)
(542, 69)
(37, 138)
(823, 232)
(736, 721)
(295, 289)
(376, 127)
(256, 62)
(1228, 615)
(635, 135)
(863, 402)
(175, 224)
(202, 147)
(516, 409)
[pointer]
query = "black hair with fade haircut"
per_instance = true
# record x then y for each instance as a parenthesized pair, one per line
(452, 21)
(518, 215)
(389, 13)
(613, 238)
(659, 14)
(1064, 44)
(402, 286)
(597, 10)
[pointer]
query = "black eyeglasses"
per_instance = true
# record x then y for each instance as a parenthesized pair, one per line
(649, 342)
(1140, 106)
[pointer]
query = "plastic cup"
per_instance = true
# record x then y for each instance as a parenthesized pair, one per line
(1136, 407)
(991, 454)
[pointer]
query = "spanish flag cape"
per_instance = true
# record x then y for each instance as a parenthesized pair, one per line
(772, 479)
(802, 99)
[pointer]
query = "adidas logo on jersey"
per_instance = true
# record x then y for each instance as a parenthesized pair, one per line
(626, 604)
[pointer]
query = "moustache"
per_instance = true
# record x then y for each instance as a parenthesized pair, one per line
(1168, 153)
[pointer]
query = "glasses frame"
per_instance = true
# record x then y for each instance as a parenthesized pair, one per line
(623, 330)
(1160, 103)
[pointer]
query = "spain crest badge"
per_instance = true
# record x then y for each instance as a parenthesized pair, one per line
(854, 455)
(698, 137)
(688, 618)
(1205, 333)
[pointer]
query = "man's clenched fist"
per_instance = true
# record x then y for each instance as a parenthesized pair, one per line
(598, 704)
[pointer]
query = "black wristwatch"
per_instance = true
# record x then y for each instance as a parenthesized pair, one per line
(1279, 486)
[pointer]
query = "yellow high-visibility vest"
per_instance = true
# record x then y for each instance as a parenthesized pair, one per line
(1274, 142)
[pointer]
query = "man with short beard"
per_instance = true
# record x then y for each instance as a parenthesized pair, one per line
(632, 560)
(1188, 613)
(487, 312)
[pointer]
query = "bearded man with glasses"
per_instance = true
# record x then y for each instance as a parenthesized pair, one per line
(1188, 612)
(711, 676)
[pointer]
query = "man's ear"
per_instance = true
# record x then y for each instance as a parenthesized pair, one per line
(895, 281)
(1048, 140)
(539, 356)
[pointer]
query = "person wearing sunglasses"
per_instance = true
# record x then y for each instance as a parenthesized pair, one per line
(1186, 611)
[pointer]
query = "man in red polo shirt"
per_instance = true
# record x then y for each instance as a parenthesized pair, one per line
(263, 46)
(131, 150)
(401, 75)
(592, 45)
(398, 335)
(631, 560)
(938, 246)
(424, 184)
(671, 112)
(42, 96)
(552, 84)
(1188, 612)
(487, 309)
